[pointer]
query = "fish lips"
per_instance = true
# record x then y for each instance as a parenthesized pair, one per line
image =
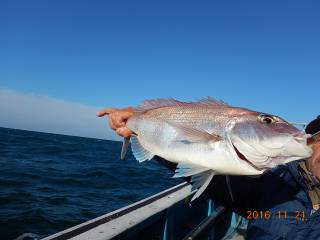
(297, 146)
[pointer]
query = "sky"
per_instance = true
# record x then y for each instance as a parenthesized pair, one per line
(67, 59)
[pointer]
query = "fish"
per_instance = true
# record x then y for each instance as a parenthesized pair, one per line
(209, 137)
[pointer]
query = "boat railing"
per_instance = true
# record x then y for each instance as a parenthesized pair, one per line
(166, 215)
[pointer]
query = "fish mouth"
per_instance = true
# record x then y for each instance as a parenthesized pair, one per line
(243, 158)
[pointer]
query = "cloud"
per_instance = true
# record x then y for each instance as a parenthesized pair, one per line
(47, 114)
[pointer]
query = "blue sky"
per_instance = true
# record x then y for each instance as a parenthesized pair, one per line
(263, 55)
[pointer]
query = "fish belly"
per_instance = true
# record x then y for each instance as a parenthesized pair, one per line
(164, 140)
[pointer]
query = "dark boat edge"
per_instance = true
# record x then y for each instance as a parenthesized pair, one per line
(165, 215)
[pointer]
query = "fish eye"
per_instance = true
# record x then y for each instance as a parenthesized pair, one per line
(267, 119)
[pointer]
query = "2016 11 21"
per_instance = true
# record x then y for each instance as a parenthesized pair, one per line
(299, 215)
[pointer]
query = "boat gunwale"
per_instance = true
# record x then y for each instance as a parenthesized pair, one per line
(94, 223)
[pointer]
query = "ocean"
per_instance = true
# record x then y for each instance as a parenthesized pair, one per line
(50, 182)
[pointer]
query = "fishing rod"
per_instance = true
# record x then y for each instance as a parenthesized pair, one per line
(298, 124)
(314, 136)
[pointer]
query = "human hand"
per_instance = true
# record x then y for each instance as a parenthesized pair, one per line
(118, 119)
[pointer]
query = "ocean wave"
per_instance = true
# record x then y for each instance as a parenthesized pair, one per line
(51, 182)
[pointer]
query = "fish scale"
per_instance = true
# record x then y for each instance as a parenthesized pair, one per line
(209, 137)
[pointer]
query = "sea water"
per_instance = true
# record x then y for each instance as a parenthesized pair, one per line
(50, 182)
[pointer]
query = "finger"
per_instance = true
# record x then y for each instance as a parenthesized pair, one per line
(106, 111)
(111, 124)
(124, 132)
(119, 118)
(116, 118)
(126, 114)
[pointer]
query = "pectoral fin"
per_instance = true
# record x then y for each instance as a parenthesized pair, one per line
(125, 146)
(191, 134)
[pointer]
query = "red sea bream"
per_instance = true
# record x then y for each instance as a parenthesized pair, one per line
(209, 137)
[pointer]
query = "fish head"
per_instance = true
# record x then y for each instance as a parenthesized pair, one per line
(266, 141)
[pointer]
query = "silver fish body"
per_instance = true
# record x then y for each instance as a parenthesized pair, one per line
(165, 139)
(209, 137)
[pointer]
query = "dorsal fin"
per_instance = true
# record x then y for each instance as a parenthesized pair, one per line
(158, 103)
(210, 101)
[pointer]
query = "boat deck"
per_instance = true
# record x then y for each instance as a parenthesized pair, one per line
(166, 215)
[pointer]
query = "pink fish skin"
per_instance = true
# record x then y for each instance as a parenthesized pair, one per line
(210, 137)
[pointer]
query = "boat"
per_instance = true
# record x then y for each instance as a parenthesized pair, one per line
(167, 215)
